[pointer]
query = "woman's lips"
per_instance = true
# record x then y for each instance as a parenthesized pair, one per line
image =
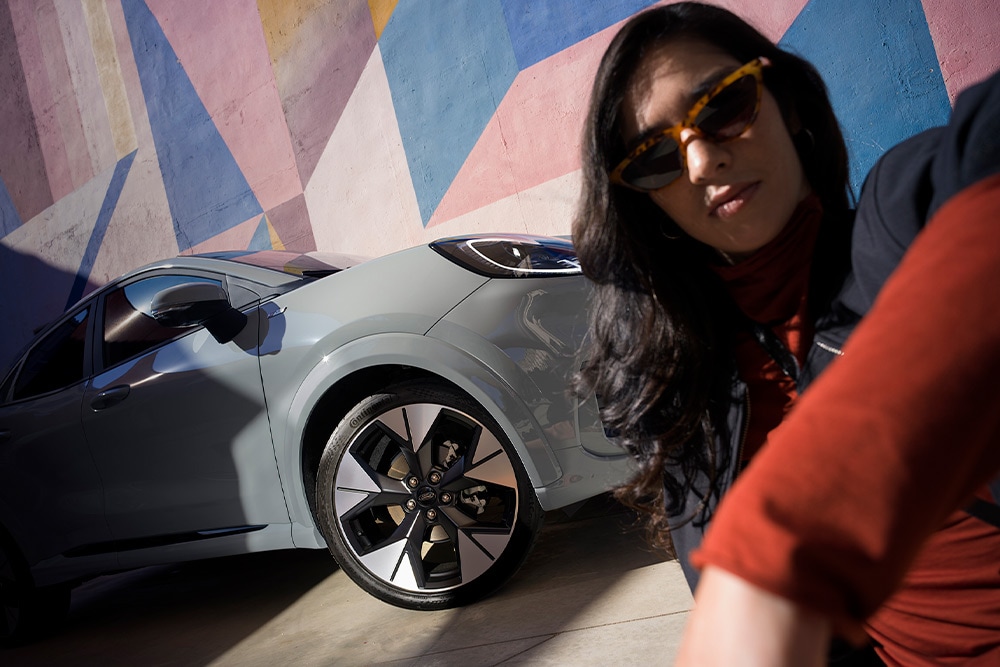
(730, 204)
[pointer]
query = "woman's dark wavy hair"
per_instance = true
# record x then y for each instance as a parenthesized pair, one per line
(659, 353)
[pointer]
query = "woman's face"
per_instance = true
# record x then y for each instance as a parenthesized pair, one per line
(734, 196)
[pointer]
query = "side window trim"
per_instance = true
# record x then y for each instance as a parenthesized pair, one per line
(13, 381)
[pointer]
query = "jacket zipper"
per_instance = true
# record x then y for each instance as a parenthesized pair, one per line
(743, 435)
(829, 348)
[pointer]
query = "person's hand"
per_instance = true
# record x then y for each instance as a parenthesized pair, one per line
(736, 623)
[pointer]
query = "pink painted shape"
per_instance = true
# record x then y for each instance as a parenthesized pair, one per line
(235, 238)
(535, 134)
(222, 49)
(82, 69)
(66, 114)
(31, 160)
(771, 18)
(27, 17)
(966, 37)
(318, 72)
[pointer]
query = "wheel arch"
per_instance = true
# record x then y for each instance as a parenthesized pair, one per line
(365, 366)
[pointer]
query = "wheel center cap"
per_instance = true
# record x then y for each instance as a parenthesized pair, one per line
(426, 496)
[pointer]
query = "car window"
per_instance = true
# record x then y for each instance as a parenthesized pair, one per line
(129, 329)
(56, 361)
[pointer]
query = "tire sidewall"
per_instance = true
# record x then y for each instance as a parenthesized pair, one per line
(526, 525)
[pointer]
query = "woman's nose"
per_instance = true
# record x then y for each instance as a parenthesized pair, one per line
(705, 158)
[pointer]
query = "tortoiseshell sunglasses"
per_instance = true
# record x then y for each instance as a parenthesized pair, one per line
(722, 114)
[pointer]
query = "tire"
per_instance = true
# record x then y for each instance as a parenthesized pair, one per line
(423, 500)
(27, 613)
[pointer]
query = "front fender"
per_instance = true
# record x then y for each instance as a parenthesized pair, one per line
(434, 356)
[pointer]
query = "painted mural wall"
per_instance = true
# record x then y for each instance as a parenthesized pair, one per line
(132, 130)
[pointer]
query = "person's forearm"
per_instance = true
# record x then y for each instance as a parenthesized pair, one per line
(736, 623)
(834, 508)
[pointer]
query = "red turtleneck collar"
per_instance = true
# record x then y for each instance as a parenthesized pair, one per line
(772, 287)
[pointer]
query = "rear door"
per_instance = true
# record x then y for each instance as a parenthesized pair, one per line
(51, 498)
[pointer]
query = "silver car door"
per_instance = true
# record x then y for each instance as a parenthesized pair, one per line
(179, 431)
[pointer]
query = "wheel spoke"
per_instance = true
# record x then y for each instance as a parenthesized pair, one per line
(395, 560)
(359, 487)
(475, 549)
(490, 463)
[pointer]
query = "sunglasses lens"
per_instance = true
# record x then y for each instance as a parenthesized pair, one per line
(731, 111)
(656, 167)
(726, 115)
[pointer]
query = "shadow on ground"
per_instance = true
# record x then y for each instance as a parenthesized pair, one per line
(589, 573)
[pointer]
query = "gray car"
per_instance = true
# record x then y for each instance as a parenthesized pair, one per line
(410, 413)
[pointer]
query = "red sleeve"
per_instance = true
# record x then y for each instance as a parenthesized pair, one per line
(892, 438)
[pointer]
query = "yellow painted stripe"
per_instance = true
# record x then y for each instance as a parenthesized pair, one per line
(109, 74)
(275, 239)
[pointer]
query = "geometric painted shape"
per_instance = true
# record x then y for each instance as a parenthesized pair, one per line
(318, 49)
(535, 134)
(234, 238)
(9, 219)
(541, 29)
(22, 160)
(770, 18)
(100, 227)
(361, 198)
(290, 223)
(880, 68)
(381, 13)
(205, 188)
(91, 144)
(110, 78)
(276, 241)
(967, 40)
(546, 209)
(221, 47)
(262, 237)
(447, 73)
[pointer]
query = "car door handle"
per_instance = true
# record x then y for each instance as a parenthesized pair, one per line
(4, 436)
(110, 397)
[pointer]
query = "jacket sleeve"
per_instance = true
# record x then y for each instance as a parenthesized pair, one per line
(892, 438)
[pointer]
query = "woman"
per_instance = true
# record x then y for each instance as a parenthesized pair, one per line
(715, 225)
(705, 144)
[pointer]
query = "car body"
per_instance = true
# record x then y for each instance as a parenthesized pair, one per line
(411, 413)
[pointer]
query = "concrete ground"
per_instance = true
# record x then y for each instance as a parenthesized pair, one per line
(591, 593)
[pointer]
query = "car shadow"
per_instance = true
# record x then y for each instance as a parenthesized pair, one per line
(298, 607)
(181, 614)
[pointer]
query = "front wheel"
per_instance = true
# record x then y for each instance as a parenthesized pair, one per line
(422, 498)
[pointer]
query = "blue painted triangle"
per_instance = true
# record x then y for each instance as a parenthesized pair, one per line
(262, 237)
(9, 217)
(541, 29)
(445, 85)
(100, 227)
(882, 71)
(206, 190)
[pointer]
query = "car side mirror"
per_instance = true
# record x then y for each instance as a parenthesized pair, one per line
(193, 304)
